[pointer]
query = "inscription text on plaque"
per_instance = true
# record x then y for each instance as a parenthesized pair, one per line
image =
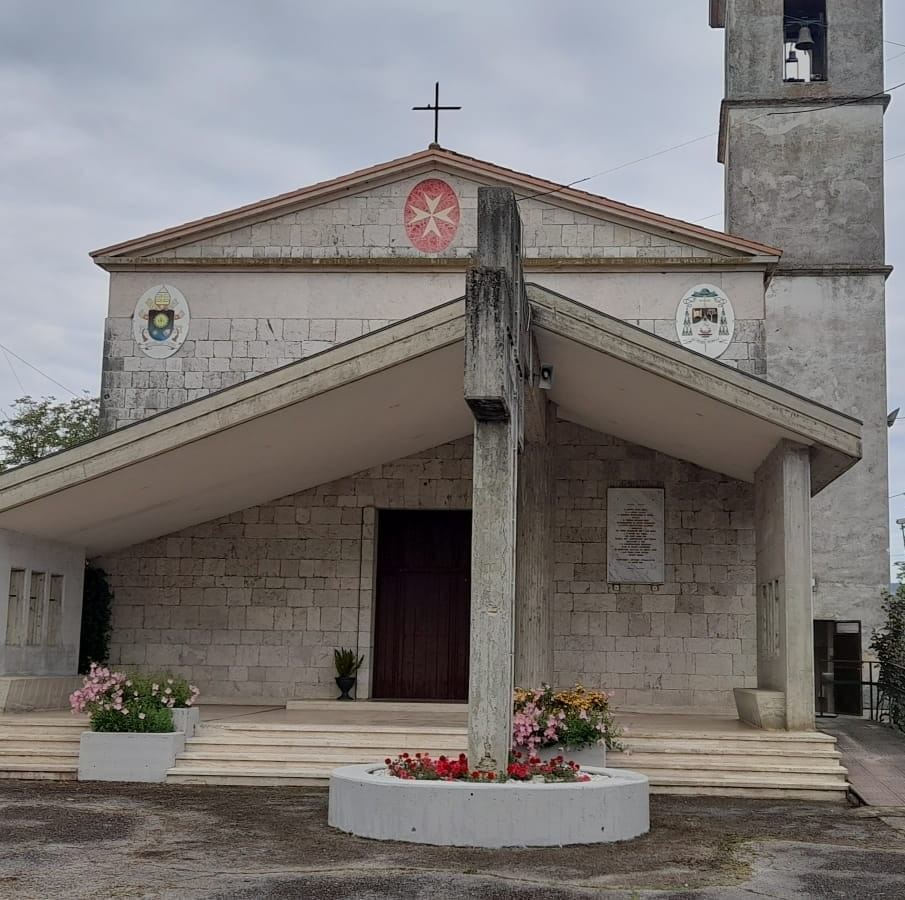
(635, 536)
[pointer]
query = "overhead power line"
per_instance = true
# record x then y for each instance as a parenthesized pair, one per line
(9, 362)
(621, 166)
(794, 112)
(36, 369)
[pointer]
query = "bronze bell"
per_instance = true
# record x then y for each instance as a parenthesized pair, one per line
(805, 40)
(793, 57)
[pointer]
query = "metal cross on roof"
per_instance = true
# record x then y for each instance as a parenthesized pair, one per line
(436, 110)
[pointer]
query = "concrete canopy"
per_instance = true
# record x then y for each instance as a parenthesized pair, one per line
(395, 392)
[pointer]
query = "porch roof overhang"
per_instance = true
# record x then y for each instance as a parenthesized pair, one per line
(395, 392)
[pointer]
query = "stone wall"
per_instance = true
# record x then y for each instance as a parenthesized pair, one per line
(252, 604)
(223, 352)
(219, 354)
(687, 642)
(371, 225)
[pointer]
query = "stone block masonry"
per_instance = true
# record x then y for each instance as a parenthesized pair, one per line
(372, 224)
(222, 352)
(252, 604)
(687, 642)
(223, 349)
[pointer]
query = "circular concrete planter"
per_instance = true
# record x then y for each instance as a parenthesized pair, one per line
(367, 802)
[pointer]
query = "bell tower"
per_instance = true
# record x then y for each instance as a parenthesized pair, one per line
(801, 138)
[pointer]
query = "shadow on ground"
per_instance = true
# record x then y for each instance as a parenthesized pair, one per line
(88, 840)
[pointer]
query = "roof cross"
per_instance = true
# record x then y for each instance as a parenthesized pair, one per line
(436, 111)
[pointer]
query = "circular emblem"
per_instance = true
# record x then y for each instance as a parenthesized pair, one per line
(705, 320)
(160, 323)
(431, 215)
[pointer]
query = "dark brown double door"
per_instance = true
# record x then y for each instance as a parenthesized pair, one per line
(422, 615)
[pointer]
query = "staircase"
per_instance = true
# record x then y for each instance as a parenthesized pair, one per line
(44, 748)
(738, 764)
(757, 764)
(264, 754)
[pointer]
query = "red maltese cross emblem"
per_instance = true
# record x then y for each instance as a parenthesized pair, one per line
(431, 215)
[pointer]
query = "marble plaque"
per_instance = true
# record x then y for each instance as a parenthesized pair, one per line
(635, 537)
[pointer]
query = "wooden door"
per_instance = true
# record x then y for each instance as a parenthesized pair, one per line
(423, 603)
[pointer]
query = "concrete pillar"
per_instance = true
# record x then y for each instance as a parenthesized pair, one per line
(496, 316)
(785, 651)
(534, 549)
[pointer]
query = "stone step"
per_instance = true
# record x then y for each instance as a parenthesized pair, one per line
(718, 751)
(23, 722)
(663, 774)
(259, 778)
(766, 787)
(186, 762)
(740, 780)
(369, 708)
(802, 794)
(354, 728)
(755, 734)
(45, 772)
(340, 754)
(379, 747)
(717, 746)
(351, 739)
(61, 751)
(42, 738)
(650, 762)
(38, 762)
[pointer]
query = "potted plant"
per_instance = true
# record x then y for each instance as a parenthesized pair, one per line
(132, 736)
(577, 723)
(347, 665)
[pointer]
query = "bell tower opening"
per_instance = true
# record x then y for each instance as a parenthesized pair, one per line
(804, 41)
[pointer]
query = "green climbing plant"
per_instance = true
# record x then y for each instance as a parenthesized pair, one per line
(888, 642)
(97, 603)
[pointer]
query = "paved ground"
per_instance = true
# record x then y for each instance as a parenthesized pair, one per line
(874, 756)
(73, 840)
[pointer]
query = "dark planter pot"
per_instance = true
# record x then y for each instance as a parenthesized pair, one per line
(345, 683)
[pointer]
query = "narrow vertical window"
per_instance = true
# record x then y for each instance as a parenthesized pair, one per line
(14, 616)
(36, 601)
(54, 610)
(804, 41)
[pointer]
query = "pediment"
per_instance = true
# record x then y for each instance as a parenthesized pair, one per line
(425, 207)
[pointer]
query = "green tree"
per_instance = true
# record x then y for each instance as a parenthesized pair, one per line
(888, 643)
(38, 427)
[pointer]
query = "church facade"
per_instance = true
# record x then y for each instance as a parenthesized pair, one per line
(323, 416)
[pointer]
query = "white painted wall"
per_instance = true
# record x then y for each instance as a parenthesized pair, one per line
(22, 657)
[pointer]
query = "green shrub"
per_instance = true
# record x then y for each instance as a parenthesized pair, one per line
(116, 701)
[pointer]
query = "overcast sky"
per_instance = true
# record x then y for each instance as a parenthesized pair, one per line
(117, 119)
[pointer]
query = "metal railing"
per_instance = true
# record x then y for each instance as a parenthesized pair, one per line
(882, 687)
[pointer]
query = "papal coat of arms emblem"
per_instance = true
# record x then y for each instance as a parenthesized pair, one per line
(160, 323)
(705, 320)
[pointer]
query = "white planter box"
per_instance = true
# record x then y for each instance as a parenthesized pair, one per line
(128, 756)
(587, 757)
(186, 719)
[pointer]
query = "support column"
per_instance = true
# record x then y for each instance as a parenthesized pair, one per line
(496, 316)
(534, 550)
(785, 640)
